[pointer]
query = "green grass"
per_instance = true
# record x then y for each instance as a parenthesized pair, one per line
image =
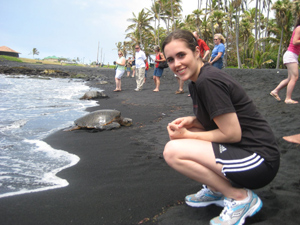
(230, 67)
(10, 58)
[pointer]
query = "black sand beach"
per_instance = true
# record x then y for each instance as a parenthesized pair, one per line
(122, 178)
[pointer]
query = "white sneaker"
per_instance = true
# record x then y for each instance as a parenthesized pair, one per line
(235, 212)
(205, 197)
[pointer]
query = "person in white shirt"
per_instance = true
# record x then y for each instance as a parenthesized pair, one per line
(140, 64)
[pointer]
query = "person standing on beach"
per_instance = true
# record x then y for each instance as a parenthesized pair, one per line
(204, 49)
(227, 146)
(290, 59)
(158, 71)
(140, 64)
(146, 70)
(128, 66)
(180, 84)
(133, 66)
(120, 70)
(218, 52)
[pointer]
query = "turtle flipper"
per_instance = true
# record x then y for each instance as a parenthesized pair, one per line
(110, 126)
(72, 128)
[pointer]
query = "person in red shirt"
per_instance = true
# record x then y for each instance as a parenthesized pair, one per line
(204, 49)
(146, 70)
(158, 71)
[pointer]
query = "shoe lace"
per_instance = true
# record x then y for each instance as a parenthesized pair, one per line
(202, 191)
(227, 211)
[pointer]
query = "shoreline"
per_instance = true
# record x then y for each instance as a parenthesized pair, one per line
(122, 178)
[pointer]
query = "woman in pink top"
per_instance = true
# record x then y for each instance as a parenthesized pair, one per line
(290, 59)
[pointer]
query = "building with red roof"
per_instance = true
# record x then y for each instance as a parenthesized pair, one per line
(8, 51)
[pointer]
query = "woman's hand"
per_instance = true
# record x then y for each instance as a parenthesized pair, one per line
(228, 131)
(175, 132)
(183, 127)
(186, 122)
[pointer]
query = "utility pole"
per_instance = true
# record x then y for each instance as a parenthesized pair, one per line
(98, 53)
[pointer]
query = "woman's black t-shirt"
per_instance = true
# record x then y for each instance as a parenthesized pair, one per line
(216, 93)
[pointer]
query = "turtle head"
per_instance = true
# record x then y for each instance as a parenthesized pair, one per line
(126, 122)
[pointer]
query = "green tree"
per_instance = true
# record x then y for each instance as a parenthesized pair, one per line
(141, 25)
(236, 4)
(246, 30)
(198, 22)
(34, 52)
(283, 16)
(259, 59)
(246, 26)
(123, 47)
(154, 10)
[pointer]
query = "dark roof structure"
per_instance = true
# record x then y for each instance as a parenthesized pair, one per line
(8, 51)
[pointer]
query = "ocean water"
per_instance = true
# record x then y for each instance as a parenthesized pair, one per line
(30, 110)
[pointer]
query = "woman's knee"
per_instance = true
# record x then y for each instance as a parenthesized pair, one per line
(170, 152)
(296, 76)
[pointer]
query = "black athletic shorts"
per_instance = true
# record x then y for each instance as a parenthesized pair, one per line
(244, 168)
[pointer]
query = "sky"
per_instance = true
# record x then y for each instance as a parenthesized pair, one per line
(70, 28)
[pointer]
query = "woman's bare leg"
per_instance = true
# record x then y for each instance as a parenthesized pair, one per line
(157, 83)
(196, 160)
(293, 76)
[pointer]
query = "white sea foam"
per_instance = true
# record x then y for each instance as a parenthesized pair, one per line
(13, 125)
(31, 109)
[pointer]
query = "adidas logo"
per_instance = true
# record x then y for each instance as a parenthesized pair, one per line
(222, 148)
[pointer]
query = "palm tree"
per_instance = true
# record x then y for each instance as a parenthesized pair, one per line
(154, 11)
(197, 13)
(141, 24)
(169, 12)
(199, 4)
(283, 14)
(259, 59)
(34, 52)
(124, 47)
(134, 39)
(267, 22)
(119, 45)
(175, 11)
(236, 5)
(158, 6)
(255, 19)
(246, 27)
(296, 9)
(189, 23)
(244, 37)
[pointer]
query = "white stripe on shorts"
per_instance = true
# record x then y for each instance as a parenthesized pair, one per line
(239, 165)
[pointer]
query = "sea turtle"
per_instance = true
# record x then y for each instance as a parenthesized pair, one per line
(93, 95)
(104, 119)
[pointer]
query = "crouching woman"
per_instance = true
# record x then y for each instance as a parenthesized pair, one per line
(227, 145)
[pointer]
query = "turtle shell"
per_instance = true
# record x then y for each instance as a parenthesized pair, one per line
(98, 118)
